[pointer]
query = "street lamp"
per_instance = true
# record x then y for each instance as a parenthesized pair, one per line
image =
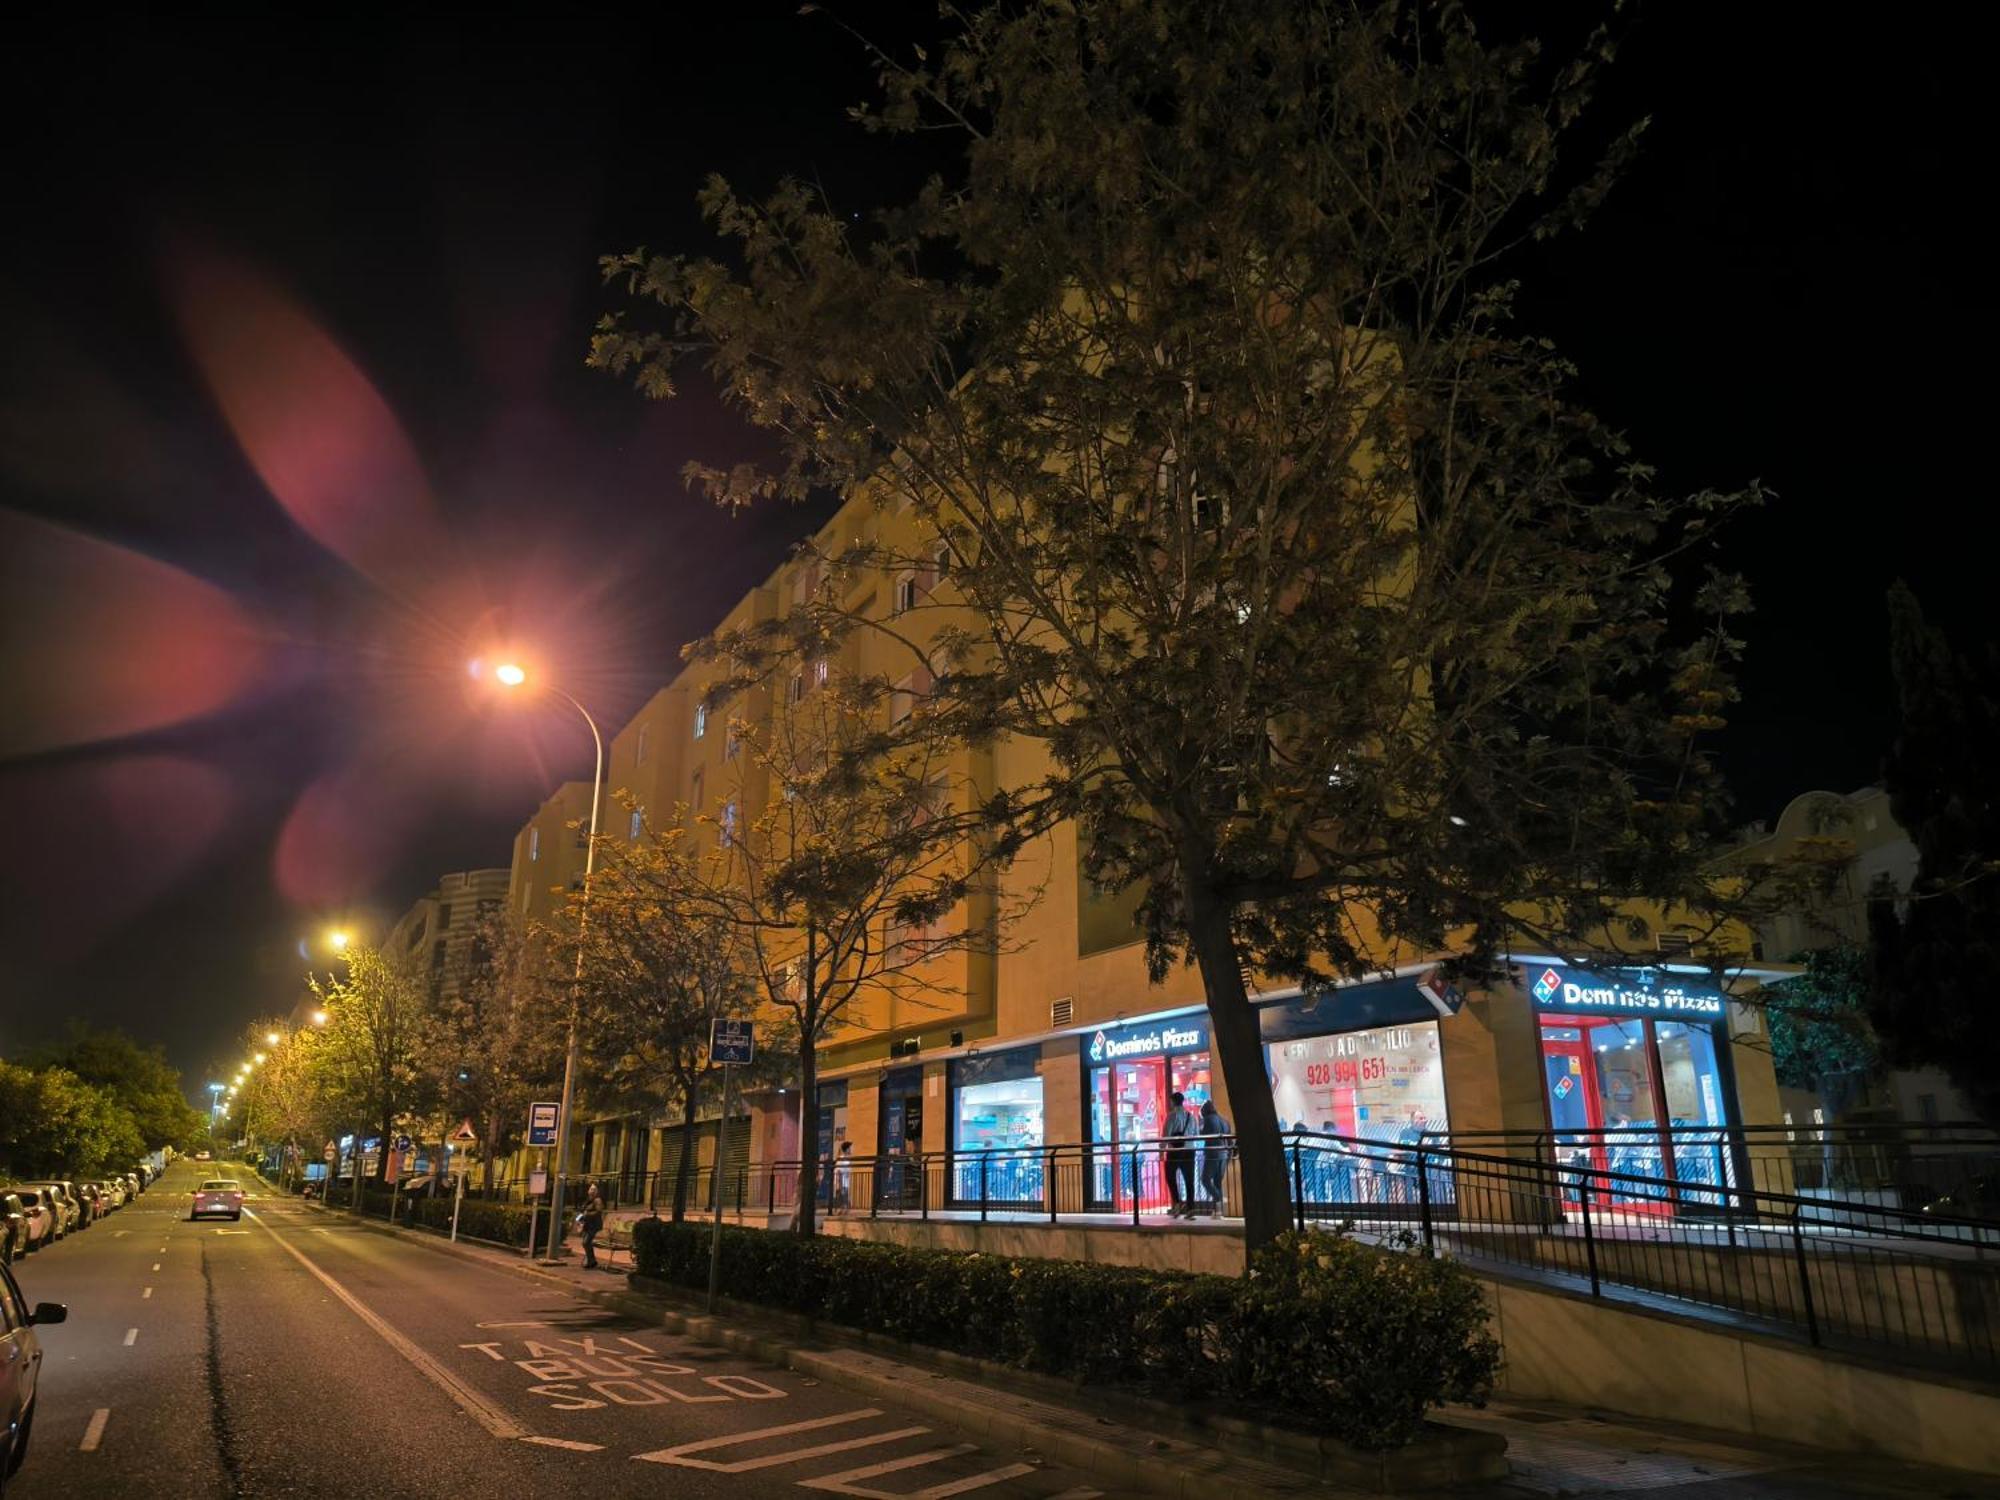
(319, 1018)
(338, 939)
(513, 675)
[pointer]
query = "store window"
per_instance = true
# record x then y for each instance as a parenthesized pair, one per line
(900, 1144)
(1384, 1084)
(831, 1134)
(1634, 1075)
(997, 1128)
(1132, 1073)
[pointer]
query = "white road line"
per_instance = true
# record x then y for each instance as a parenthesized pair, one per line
(845, 1483)
(678, 1454)
(131, 1337)
(156, 1265)
(491, 1417)
(147, 1293)
(568, 1443)
(120, 1234)
(94, 1433)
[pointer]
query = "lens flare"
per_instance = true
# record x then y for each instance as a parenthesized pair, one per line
(101, 641)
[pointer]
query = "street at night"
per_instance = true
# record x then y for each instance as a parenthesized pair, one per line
(1037, 749)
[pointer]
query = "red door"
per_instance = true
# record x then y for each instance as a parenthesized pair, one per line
(1138, 1114)
(1575, 1102)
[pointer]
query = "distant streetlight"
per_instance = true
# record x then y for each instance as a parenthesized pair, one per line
(338, 939)
(271, 1037)
(512, 675)
(257, 1059)
(319, 1018)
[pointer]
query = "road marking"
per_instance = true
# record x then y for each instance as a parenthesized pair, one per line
(156, 1265)
(678, 1454)
(147, 1293)
(845, 1483)
(514, 1325)
(491, 1417)
(570, 1444)
(94, 1433)
(120, 1234)
(131, 1337)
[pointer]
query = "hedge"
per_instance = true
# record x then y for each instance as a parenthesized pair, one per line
(1333, 1335)
(502, 1223)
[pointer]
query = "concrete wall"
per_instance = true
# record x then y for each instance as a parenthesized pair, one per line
(1599, 1354)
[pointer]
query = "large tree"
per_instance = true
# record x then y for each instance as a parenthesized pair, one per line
(662, 961)
(1352, 637)
(140, 1079)
(1937, 948)
(378, 1012)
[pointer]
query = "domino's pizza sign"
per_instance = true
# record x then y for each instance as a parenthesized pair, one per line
(1626, 992)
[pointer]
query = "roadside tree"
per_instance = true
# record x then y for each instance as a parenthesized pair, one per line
(1351, 636)
(371, 1059)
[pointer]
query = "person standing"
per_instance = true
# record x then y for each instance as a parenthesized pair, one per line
(1215, 1142)
(1180, 1129)
(843, 1178)
(590, 1221)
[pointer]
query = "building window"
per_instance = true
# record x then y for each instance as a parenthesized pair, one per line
(997, 1128)
(728, 824)
(444, 915)
(906, 594)
(639, 747)
(1132, 1073)
(700, 720)
(534, 844)
(797, 691)
(638, 823)
(695, 797)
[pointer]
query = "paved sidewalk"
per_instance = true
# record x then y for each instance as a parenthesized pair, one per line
(1553, 1450)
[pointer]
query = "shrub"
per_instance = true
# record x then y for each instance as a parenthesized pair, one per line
(1345, 1339)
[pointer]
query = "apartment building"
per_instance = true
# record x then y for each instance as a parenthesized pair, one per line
(441, 927)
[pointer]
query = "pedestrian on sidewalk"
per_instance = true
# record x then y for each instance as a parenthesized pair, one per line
(843, 1178)
(1214, 1154)
(1180, 1129)
(590, 1222)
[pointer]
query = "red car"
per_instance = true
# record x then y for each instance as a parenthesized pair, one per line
(223, 1195)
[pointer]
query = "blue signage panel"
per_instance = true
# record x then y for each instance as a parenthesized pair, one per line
(1624, 992)
(1147, 1039)
(732, 1041)
(542, 1124)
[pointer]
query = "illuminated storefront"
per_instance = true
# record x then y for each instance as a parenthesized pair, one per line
(1634, 1066)
(997, 1127)
(1130, 1072)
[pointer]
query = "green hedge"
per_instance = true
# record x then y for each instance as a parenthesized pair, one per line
(503, 1223)
(1332, 1335)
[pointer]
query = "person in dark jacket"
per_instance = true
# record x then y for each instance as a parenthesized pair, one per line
(590, 1222)
(1215, 1145)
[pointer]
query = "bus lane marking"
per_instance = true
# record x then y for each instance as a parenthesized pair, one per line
(681, 1454)
(486, 1413)
(587, 1374)
(569, 1443)
(846, 1483)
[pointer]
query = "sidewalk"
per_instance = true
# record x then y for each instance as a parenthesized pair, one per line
(1553, 1450)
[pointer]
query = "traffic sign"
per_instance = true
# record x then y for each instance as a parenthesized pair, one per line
(732, 1041)
(542, 1124)
(465, 1135)
(402, 1143)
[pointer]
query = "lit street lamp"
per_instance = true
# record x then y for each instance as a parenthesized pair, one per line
(513, 675)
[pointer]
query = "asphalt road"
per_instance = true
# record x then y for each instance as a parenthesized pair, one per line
(296, 1353)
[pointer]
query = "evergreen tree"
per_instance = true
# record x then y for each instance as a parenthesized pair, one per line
(1937, 951)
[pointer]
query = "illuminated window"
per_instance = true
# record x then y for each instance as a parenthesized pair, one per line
(534, 844)
(700, 720)
(638, 822)
(639, 747)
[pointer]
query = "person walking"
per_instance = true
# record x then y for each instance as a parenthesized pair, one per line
(590, 1222)
(1180, 1129)
(1214, 1154)
(843, 1178)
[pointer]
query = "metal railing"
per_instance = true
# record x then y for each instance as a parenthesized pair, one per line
(1701, 1233)
(1951, 1168)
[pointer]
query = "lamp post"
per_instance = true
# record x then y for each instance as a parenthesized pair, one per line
(512, 675)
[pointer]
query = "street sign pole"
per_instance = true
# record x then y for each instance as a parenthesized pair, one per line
(732, 1043)
(457, 1198)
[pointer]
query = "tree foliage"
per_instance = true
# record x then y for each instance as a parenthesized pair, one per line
(1351, 635)
(378, 1012)
(1937, 951)
(54, 1124)
(1821, 1038)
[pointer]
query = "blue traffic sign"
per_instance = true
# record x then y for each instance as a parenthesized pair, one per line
(732, 1041)
(542, 1124)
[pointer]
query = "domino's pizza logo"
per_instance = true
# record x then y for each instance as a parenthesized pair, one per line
(1097, 1048)
(1548, 986)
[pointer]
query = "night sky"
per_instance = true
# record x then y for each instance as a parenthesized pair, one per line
(209, 759)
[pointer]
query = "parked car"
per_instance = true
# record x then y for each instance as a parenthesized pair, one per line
(219, 1195)
(132, 1181)
(20, 1366)
(40, 1215)
(13, 1228)
(91, 1202)
(61, 1208)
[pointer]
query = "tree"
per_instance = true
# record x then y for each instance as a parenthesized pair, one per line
(1937, 949)
(663, 961)
(139, 1079)
(377, 1013)
(864, 862)
(497, 1041)
(284, 1100)
(1821, 1038)
(54, 1124)
(1352, 638)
